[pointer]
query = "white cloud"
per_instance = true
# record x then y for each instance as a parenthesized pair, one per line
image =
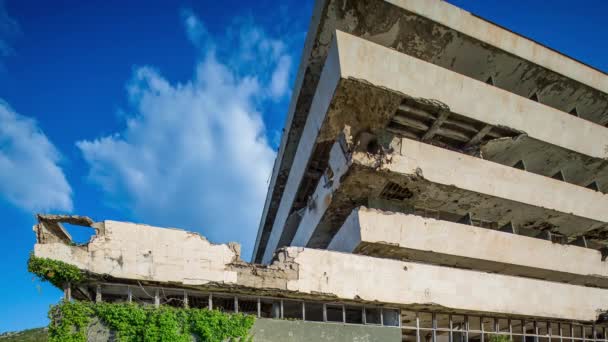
(195, 154)
(30, 176)
(279, 84)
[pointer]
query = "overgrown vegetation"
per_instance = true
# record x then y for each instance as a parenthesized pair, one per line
(134, 323)
(56, 272)
(499, 338)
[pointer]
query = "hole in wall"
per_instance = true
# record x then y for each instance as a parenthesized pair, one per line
(80, 234)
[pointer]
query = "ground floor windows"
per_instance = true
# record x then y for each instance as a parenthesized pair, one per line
(264, 307)
(438, 327)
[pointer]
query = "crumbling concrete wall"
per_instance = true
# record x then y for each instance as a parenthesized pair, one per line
(141, 252)
(128, 252)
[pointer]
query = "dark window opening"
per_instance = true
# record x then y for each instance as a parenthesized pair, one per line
(354, 315)
(334, 313)
(292, 309)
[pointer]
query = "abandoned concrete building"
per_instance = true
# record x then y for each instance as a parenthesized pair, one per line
(440, 178)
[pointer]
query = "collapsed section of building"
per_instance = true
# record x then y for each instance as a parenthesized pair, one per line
(439, 178)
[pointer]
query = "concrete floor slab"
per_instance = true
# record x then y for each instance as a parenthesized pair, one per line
(414, 238)
(441, 180)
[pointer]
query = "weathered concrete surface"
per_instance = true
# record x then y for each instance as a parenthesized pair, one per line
(271, 330)
(544, 160)
(415, 238)
(359, 89)
(141, 252)
(442, 34)
(186, 259)
(386, 68)
(392, 281)
(438, 179)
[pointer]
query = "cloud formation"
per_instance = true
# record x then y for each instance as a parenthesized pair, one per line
(195, 155)
(31, 178)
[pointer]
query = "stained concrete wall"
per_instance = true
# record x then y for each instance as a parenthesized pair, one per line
(403, 236)
(489, 33)
(269, 330)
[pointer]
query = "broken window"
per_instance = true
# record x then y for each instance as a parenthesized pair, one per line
(354, 314)
(248, 305)
(314, 312)
(373, 316)
(224, 304)
(334, 313)
(270, 308)
(292, 309)
(198, 300)
(390, 317)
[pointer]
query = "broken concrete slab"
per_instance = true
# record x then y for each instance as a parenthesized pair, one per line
(132, 253)
(415, 238)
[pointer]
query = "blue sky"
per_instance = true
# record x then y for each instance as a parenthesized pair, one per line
(169, 113)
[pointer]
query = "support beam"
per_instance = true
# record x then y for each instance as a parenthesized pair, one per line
(479, 136)
(98, 294)
(67, 292)
(443, 115)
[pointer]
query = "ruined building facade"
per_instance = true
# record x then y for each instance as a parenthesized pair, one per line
(440, 178)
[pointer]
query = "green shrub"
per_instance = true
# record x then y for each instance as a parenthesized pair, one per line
(132, 323)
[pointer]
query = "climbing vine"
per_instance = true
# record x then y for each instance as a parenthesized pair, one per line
(54, 271)
(134, 323)
(69, 322)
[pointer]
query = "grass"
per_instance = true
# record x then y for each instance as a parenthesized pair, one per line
(30, 335)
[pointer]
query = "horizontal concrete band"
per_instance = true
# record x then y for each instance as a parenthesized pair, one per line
(494, 35)
(384, 67)
(415, 238)
(405, 283)
(442, 166)
(134, 252)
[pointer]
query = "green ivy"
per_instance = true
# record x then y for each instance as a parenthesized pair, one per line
(54, 271)
(134, 323)
(69, 322)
